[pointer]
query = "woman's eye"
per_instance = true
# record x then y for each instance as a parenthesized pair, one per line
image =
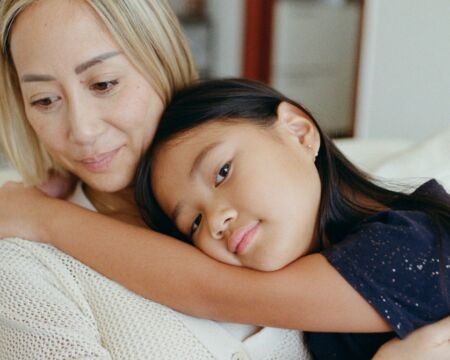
(196, 224)
(222, 174)
(104, 86)
(46, 102)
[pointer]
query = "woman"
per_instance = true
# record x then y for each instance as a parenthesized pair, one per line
(82, 86)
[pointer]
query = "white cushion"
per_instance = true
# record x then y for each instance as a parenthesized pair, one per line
(370, 153)
(424, 160)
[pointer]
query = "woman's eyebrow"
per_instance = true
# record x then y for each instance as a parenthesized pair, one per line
(94, 61)
(36, 77)
(78, 69)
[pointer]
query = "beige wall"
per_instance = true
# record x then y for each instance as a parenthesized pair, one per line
(405, 70)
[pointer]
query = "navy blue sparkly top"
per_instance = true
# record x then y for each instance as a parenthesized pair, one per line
(399, 264)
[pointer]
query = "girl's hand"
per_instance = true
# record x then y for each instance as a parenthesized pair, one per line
(22, 211)
(428, 342)
(58, 186)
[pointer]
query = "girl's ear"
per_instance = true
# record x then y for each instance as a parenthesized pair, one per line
(297, 123)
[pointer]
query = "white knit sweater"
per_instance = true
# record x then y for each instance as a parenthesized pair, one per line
(54, 307)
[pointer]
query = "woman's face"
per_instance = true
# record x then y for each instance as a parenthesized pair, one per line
(93, 111)
(246, 196)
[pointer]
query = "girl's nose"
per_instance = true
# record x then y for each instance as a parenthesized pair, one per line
(220, 222)
(86, 123)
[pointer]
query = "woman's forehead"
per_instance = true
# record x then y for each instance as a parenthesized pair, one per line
(50, 30)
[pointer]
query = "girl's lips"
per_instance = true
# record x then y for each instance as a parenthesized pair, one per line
(242, 237)
(100, 162)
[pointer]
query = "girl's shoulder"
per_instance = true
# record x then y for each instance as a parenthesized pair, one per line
(396, 222)
(406, 221)
(432, 188)
(392, 231)
(396, 232)
(396, 260)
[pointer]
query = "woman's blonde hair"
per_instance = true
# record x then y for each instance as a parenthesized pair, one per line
(148, 33)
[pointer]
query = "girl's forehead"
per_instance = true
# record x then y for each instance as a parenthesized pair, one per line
(212, 128)
(185, 147)
(198, 137)
(190, 141)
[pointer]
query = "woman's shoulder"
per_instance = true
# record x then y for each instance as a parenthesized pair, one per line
(40, 309)
(37, 280)
(27, 266)
(20, 254)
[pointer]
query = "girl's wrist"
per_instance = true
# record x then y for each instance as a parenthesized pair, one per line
(47, 224)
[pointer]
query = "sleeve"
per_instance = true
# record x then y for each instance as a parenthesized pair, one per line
(38, 318)
(392, 260)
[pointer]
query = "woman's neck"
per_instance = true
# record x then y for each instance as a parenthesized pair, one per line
(119, 205)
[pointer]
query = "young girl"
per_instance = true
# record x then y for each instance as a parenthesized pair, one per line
(245, 184)
(248, 177)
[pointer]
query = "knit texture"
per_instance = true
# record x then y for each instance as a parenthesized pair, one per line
(54, 307)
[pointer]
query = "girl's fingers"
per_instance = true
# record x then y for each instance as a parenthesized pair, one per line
(58, 186)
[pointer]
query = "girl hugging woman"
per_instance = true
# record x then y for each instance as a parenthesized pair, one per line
(296, 236)
(247, 176)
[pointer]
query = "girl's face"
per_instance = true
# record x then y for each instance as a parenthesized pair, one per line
(93, 111)
(247, 196)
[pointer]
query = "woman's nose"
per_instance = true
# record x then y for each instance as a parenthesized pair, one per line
(220, 221)
(86, 123)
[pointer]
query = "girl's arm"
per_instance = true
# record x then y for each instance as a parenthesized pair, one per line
(308, 294)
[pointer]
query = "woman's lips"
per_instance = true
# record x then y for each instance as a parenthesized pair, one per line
(100, 162)
(242, 237)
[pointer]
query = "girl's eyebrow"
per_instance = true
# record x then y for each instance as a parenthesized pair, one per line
(176, 212)
(201, 156)
(78, 69)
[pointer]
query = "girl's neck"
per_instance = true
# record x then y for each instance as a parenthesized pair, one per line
(119, 205)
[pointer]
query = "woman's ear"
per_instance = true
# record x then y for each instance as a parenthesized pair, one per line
(297, 123)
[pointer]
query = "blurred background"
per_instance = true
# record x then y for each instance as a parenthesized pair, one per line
(365, 68)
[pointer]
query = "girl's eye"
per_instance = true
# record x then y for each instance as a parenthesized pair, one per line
(104, 86)
(45, 103)
(222, 174)
(196, 224)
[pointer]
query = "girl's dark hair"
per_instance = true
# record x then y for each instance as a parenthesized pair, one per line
(228, 100)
